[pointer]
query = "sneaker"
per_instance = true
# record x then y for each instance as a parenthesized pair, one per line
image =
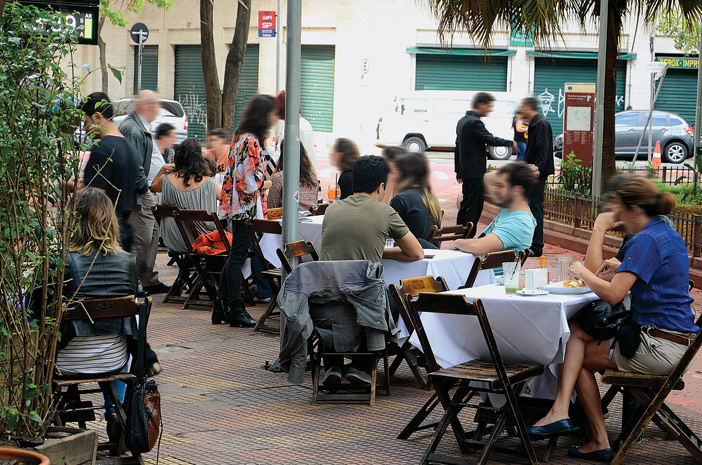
(332, 376)
(356, 376)
(263, 300)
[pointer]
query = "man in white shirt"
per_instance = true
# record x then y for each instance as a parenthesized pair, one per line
(137, 129)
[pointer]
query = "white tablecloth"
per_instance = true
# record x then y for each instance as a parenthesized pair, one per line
(453, 265)
(309, 229)
(527, 329)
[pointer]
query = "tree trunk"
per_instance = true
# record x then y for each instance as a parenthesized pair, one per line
(2, 7)
(103, 60)
(209, 66)
(610, 96)
(232, 67)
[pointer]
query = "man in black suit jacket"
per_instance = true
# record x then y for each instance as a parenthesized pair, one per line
(470, 157)
(539, 152)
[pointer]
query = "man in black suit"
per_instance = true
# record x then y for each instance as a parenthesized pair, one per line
(539, 152)
(470, 157)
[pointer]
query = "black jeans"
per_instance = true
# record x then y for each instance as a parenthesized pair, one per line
(472, 203)
(536, 204)
(230, 282)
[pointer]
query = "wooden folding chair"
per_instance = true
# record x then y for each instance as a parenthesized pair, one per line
(449, 233)
(66, 387)
(651, 392)
(488, 262)
(185, 268)
(257, 229)
(494, 376)
(208, 268)
(319, 209)
(296, 250)
(275, 213)
(412, 287)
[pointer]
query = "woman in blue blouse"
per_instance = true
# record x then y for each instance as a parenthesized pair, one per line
(655, 269)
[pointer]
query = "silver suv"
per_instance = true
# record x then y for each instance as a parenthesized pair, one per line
(673, 132)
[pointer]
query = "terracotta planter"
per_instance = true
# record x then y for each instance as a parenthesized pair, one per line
(23, 457)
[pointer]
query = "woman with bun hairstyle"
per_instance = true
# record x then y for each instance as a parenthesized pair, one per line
(655, 269)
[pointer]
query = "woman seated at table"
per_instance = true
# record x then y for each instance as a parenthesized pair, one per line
(391, 154)
(655, 270)
(97, 268)
(343, 157)
(415, 202)
(308, 182)
(188, 186)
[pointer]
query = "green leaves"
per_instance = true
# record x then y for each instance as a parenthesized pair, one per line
(116, 72)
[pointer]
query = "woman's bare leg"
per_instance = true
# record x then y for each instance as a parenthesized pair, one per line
(568, 374)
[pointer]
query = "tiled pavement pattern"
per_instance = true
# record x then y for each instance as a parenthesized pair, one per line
(220, 406)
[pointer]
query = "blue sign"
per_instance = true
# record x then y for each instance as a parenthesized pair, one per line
(266, 32)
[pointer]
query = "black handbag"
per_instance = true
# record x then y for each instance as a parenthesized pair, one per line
(144, 413)
(602, 320)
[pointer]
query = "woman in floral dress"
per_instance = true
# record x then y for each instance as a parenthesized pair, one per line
(243, 179)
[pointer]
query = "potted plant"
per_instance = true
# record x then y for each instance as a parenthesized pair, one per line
(38, 156)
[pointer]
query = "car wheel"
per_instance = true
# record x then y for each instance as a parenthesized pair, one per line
(500, 153)
(675, 152)
(415, 144)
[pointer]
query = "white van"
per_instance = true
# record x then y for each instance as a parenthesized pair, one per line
(426, 119)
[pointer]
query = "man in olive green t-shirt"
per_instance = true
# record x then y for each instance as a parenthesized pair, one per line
(357, 227)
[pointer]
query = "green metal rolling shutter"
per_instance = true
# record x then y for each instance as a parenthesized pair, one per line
(679, 93)
(190, 88)
(149, 68)
(452, 72)
(550, 74)
(317, 86)
(248, 81)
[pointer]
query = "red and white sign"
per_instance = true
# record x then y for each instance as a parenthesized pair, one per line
(266, 19)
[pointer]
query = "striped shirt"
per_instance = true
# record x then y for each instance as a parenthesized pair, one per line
(92, 354)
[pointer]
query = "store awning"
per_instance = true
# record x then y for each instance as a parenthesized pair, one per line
(580, 55)
(461, 51)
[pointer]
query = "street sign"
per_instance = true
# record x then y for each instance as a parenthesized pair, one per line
(266, 23)
(139, 33)
(578, 122)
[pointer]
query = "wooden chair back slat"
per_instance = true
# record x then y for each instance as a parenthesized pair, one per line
(488, 262)
(296, 249)
(96, 309)
(449, 233)
(275, 213)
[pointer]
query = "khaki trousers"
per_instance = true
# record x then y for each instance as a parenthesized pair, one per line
(145, 239)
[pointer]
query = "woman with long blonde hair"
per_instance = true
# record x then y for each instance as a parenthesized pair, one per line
(415, 200)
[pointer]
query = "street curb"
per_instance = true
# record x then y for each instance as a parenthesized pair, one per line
(577, 240)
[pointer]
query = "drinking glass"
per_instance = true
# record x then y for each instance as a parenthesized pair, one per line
(563, 262)
(511, 272)
(332, 192)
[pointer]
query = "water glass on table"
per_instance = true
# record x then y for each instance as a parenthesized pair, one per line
(563, 263)
(511, 271)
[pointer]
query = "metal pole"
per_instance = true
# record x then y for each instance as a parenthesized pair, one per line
(278, 47)
(600, 101)
(698, 117)
(650, 115)
(291, 173)
(141, 58)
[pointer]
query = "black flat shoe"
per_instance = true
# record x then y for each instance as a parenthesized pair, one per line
(218, 314)
(557, 427)
(602, 455)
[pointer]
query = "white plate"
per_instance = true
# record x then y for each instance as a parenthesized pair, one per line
(532, 292)
(557, 288)
(500, 280)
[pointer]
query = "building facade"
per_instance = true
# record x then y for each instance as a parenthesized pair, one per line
(358, 56)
